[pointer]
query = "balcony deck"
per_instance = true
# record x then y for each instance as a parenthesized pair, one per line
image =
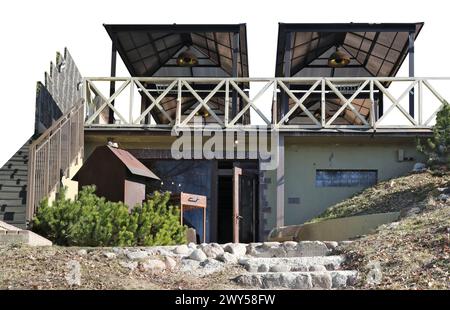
(295, 105)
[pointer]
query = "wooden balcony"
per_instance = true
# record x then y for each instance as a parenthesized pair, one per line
(282, 104)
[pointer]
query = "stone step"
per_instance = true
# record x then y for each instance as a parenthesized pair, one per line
(298, 280)
(285, 264)
(13, 194)
(290, 249)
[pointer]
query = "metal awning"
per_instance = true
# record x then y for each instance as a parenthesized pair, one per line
(152, 50)
(374, 49)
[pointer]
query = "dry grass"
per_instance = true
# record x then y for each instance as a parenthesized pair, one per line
(45, 268)
(389, 196)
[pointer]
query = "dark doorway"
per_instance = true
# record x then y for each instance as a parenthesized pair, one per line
(245, 219)
(225, 209)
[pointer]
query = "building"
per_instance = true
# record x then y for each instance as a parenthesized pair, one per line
(337, 117)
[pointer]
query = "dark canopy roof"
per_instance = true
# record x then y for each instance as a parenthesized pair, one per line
(151, 50)
(374, 49)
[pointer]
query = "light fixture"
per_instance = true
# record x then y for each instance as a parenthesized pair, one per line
(338, 59)
(187, 59)
(202, 112)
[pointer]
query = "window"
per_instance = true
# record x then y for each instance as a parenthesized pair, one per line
(346, 178)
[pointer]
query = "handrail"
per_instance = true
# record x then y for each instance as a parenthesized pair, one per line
(336, 102)
(52, 154)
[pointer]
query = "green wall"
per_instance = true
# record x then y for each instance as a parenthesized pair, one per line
(304, 156)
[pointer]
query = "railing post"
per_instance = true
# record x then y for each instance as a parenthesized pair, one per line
(322, 104)
(420, 101)
(227, 102)
(130, 116)
(275, 103)
(372, 102)
(179, 99)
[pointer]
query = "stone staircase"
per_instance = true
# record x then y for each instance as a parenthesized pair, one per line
(292, 265)
(13, 188)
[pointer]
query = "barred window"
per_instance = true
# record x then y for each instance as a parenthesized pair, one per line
(346, 178)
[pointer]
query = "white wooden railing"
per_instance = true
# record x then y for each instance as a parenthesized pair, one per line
(345, 90)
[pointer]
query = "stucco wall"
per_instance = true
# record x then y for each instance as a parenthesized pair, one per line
(304, 156)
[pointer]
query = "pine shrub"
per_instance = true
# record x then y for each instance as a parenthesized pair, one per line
(437, 148)
(90, 220)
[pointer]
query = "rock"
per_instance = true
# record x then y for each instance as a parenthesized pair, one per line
(189, 266)
(419, 167)
(290, 244)
(312, 248)
(210, 266)
(237, 249)
(227, 258)
(170, 262)
(192, 245)
(198, 255)
(331, 244)
(118, 251)
(404, 213)
(73, 277)
(109, 255)
(279, 268)
(263, 268)
(212, 250)
(82, 252)
(374, 275)
(136, 255)
(129, 265)
(317, 268)
(443, 197)
(268, 245)
(338, 280)
(321, 280)
(182, 249)
(154, 265)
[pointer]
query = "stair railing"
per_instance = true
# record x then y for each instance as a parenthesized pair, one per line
(52, 154)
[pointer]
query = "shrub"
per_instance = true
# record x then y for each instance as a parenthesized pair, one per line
(90, 220)
(437, 148)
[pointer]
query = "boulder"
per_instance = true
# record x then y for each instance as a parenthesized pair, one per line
(321, 280)
(154, 265)
(82, 252)
(212, 250)
(109, 255)
(227, 258)
(170, 263)
(317, 268)
(136, 255)
(279, 268)
(198, 255)
(129, 265)
(237, 249)
(182, 250)
(312, 248)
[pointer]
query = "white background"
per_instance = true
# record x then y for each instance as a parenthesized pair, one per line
(32, 32)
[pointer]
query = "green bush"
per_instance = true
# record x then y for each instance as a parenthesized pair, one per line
(437, 148)
(90, 220)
